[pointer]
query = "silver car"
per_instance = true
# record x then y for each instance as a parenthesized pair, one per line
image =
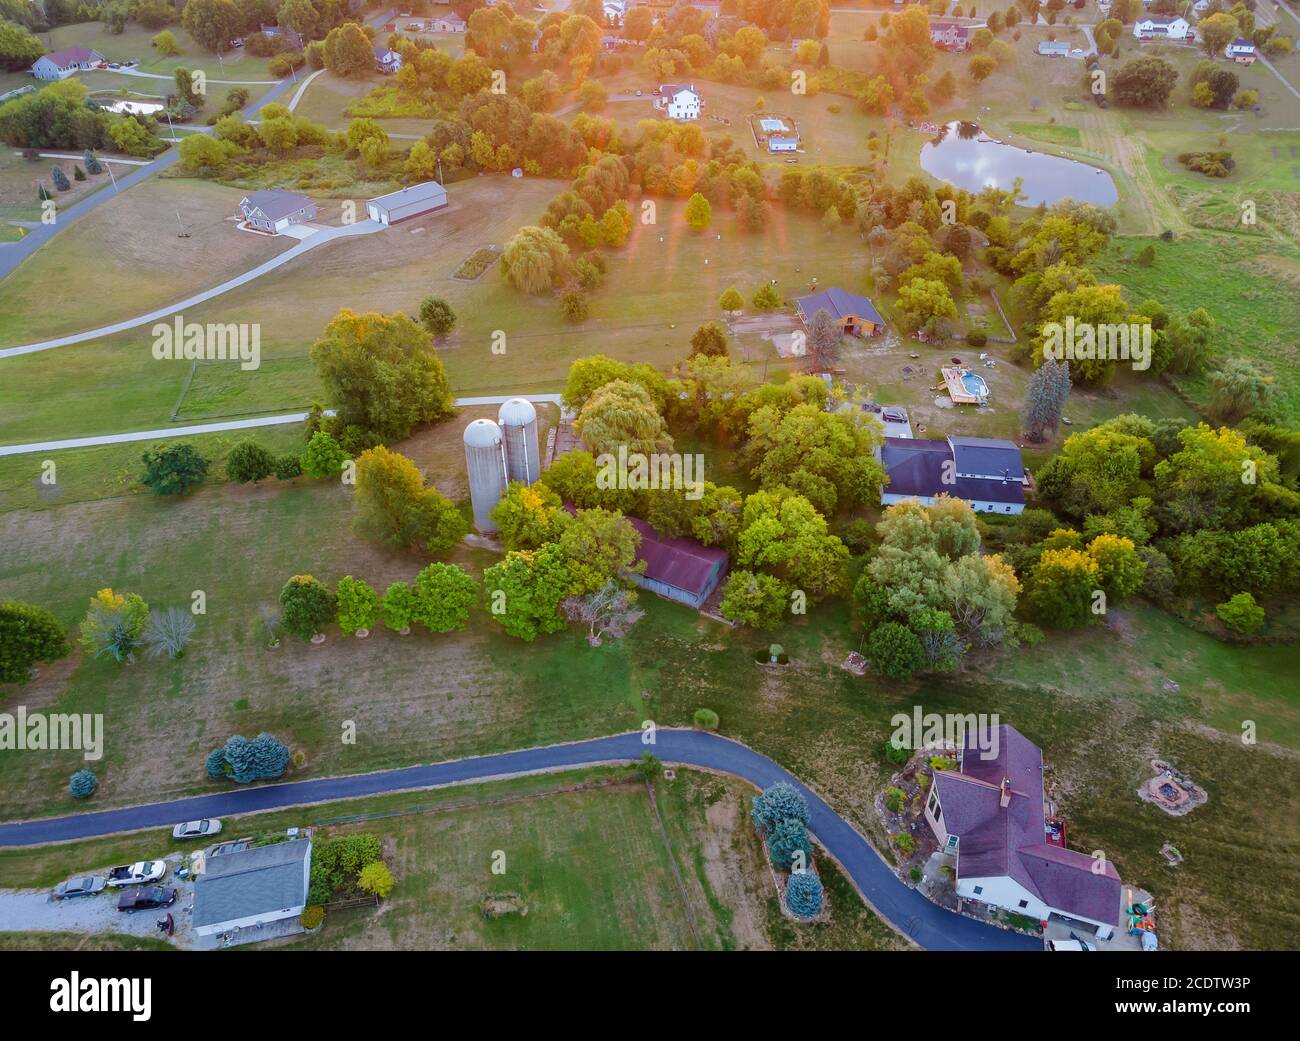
(87, 885)
(200, 829)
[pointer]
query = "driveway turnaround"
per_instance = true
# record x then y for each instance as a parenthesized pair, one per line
(927, 924)
(234, 424)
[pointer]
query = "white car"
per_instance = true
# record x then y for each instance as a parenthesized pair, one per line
(196, 829)
(140, 873)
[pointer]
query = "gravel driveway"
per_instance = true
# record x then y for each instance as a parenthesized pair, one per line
(33, 910)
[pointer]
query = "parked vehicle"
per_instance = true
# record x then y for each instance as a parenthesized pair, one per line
(140, 873)
(197, 829)
(146, 898)
(233, 846)
(114, 64)
(87, 885)
(101, 65)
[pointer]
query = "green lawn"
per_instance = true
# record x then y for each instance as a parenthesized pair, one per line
(134, 44)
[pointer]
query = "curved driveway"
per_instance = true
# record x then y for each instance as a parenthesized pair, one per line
(928, 925)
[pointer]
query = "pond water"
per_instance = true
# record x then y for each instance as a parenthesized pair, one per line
(138, 108)
(963, 155)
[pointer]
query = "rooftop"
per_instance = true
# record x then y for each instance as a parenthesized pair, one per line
(252, 881)
(276, 202)
(840, 303)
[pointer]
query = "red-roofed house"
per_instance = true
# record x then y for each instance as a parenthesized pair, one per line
(989, 814)
(59, 65)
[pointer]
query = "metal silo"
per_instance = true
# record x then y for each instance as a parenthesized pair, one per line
(518, 421)
(485, 463)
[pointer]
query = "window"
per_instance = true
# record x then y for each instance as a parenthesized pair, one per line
(979, 890)
(1023, 903)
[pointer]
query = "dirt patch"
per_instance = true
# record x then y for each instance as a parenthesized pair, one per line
(723, 846)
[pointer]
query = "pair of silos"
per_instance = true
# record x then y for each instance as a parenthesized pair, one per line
(497, 453)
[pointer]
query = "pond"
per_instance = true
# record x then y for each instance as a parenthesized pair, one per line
(963, 155)
(137, 108)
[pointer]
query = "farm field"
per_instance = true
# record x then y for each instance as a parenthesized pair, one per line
(133, 44)
(583, 852)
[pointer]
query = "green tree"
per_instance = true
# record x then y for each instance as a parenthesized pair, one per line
(1120, 569)
(1215, 32)
(622, 415)
(1145, 83)
(395, 509)
(699, 214)
(597, 545)
(895, 650)
(348, 51)
(358, 605)
(766, 298)
(437, 316)
(165, 44)
(788, 844)
(1061, 587)
(28, 634)
(1239, 389)
(376, 879)
(397, 606)
(323, 456)
(710, 339)
(382, 374)
(754, 599)
(784, 534)
(731, 300)
(524, 591)
(213, 23)
(444, 593)
(82, 784)
(1045, 396)
(535, 260)
(528, 516)
(776, 803)
(173, 469)
(249, 462)
(980, 67)
(306, 606)
(19, 48)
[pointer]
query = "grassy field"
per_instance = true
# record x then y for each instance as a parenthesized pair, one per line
(583, 851)
(133, 44)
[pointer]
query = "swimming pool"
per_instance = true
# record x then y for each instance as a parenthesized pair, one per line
(771, 126)
(974, 384)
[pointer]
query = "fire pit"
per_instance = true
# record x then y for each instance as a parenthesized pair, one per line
(1171, 791)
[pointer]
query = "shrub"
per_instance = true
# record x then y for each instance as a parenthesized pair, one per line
(60, 179)
(437, 316)
(249, 462)
(398, 605)
(263, 758)
(312, 917)
(376, 878)
(78, 174)
(1241, 614)
(574, 307)
(777, 803)
(337, 863)
(895, 650)
(287, 467)
(168, 632)
(83, 783)
(905, 842)
(897, 754)
(804, 894)
(915, 874)
(173, 469)
(706, 719)
(895, 798)
(306, 605)
(28, 634)
(648, 768)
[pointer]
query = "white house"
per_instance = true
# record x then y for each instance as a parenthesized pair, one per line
(59, 65)
(984, 472)
(989, 815)
(387, 60)
(1242, 51)
(406, 203)
(449, 23)
(251, 894)
(614, 11)
(1161, 28)
(272, 210)
(679, 102)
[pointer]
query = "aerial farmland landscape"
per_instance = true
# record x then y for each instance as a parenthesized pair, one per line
(604, 475)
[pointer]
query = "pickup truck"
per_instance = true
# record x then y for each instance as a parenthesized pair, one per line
(137, 874)
(147, 898)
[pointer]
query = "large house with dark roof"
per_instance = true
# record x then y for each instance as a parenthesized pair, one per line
(987, 473)
(272, 210)
(856, 314)
(59, 65)
(253, 893)
(990, 815)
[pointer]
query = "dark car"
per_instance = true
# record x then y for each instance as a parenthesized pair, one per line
(146, 898)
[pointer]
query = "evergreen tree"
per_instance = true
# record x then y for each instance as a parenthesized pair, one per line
(1045, 398)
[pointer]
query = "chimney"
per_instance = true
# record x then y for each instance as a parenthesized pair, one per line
(1005, 800)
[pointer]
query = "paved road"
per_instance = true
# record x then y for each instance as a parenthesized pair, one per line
(234, 424)
(930, 926)
(160, 76)
(364, 227)
(14, 253)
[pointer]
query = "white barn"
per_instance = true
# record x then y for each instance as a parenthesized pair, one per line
(406, 203)
(1161, 28)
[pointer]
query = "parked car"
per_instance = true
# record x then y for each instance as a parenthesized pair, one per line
(792, 160)
(197, 829)
(101, 65)
(140, 873)
(1075, 944)
(130, 64)
(114, 64)
(87, 885)
(638, 93)
(146, 898)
